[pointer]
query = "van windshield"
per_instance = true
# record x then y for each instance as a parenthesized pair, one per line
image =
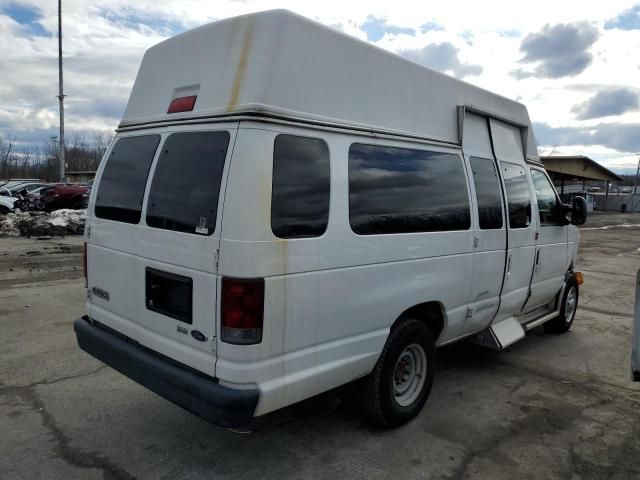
(186, 183)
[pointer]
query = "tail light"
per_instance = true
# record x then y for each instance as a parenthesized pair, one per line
(242, 310)
(84, 264)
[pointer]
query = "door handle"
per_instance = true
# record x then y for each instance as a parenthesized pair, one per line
(509, 264)
(538, 257)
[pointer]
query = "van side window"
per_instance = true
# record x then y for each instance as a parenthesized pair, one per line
(300, 187)
(124, 178)
(186, 183)
(546, 197)
(402, 190)
(518, 196)
(488, 192)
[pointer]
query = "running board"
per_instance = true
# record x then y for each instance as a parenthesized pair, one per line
(540, 321)
(500, 335)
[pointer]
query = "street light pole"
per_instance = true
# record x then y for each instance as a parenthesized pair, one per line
(60, 94)
(635, 185)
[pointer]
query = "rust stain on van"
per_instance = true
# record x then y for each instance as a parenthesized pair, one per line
(242, 65)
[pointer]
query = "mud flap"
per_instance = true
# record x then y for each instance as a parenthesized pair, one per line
(500, 335)
(635, 347)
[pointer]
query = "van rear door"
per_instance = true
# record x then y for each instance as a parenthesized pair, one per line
(153, 239)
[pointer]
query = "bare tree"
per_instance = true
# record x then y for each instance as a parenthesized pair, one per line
(41, 160)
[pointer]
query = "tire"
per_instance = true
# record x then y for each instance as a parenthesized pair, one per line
(400, 383)
(562, 323)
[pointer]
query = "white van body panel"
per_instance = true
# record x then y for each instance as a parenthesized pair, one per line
(331, 300)
(553, 259)
(489, 254)
(318, 337)
(283, 63)
(507, 142)
(118, 255)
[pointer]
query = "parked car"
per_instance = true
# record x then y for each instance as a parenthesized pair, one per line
(7, 205)
(10, 183)
(34, 199)
(13, 189)
(267, 254)
(62, 195)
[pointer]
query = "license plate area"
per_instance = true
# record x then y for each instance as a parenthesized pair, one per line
(169, 294)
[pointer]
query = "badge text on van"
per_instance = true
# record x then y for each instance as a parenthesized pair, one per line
(98, 292)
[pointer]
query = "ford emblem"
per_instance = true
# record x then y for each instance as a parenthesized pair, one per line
(198, 335)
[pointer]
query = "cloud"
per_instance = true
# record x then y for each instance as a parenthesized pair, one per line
(376, 27)
(132, 19)
(431, 26)
(442, 57)
(622, 137)
(558, 51)
(510, 33)
(608, 102)
(627, 20)
(27, 17)
(100, 66)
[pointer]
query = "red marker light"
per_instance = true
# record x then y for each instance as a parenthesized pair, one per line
(182, 104)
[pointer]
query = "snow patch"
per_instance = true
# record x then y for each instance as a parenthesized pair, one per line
(57, 223)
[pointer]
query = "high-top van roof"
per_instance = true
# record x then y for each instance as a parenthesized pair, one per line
(281, 64)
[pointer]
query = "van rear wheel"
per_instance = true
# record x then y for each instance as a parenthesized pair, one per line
(397, 388)
(562, 323)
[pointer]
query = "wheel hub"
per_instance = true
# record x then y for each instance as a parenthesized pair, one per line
(570, 304)
(409, 374)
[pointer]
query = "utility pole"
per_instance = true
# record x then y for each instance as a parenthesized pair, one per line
(60, 93)
(635, 185)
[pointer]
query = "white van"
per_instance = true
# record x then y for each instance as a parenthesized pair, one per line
(286, 209)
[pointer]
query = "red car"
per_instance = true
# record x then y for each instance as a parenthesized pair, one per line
(63, 195)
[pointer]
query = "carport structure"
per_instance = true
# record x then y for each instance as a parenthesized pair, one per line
(564, 168)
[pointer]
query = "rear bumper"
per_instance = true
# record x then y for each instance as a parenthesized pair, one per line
(195, 392)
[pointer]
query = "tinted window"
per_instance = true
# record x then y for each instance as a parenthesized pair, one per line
(300, 190)
(186, 183)
(546, 197)
(518, 197)
(401, 190)
(124, 178)
(488, 192)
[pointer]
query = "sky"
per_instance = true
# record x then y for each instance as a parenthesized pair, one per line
(574, 64)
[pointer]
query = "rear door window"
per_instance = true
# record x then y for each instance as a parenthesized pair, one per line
(488, 192)
(518, 195)
(186, 183)
(301, 187)
(123, 181)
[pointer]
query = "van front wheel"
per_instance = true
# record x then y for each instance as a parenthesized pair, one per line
(400, 383)
(562, 323)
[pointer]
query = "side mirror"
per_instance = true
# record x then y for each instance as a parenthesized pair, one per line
(579, 211)
(560, 211)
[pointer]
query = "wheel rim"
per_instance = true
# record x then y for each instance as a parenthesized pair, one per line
(570, 304)
(409, 374)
